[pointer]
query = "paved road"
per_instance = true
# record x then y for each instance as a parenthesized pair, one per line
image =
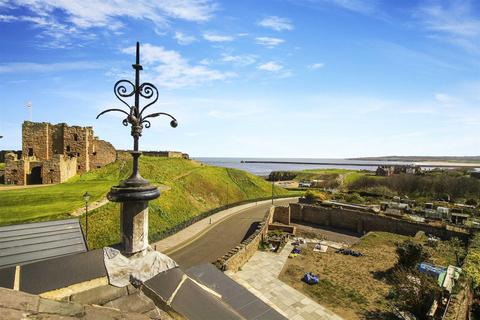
(222, 237)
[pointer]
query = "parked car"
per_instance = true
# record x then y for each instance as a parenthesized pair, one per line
(304, 184)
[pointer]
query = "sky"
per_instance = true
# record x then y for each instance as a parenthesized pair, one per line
(249, 78)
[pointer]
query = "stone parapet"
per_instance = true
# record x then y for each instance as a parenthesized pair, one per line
(238, 256)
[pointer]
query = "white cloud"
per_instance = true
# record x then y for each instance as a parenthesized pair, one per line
(169, 69)
(317, 65)
(81, 16)
(269, 42)
(360, 6)
(31, 67)
(271, 66)
(454, 22)
(212, 37)
(276, 23)
(366, 7)
(184, 39)
(239, 60)
(7, 18)
(206, 62)
(446, 99)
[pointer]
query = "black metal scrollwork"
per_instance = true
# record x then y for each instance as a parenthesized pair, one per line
(134, 116)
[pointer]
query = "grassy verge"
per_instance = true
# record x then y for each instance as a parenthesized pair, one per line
(353, 287)
(193, 188)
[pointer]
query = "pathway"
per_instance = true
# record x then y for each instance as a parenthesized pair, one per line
(212, 237)
(260, 276)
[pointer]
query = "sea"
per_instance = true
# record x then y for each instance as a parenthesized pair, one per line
(264, 169)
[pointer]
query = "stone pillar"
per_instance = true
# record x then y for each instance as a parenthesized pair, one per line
(134, 195)
(134, 226)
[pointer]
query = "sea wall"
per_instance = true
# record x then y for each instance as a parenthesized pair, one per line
(362, 222)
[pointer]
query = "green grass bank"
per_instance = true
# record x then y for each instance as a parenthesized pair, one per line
(192, 188)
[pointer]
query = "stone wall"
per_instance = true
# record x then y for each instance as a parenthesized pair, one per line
(239, 255)
(78, 142)
(363, 222)
(103, 153)
(3, 153)
(281, 215)
(166, 154)
(36, 140)
(59, 169)
(15, 170)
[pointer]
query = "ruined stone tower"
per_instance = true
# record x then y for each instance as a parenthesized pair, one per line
(55, 153)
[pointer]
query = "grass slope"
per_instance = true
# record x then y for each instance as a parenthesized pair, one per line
(193, 188)
(2, 166)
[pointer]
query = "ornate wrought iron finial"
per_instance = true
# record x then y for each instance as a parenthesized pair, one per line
(135, 114)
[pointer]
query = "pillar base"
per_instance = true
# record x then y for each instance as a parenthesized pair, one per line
(133, 213)
(134, 226)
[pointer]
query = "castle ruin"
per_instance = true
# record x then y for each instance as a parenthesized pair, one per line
(55, 153)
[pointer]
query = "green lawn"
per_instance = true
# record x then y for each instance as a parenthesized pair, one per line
(194, 188)
(2, 165)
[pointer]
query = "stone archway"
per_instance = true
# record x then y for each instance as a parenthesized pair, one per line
(35, 176)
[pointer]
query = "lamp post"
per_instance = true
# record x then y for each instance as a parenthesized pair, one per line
(86, 197)
(135, 192)
(227, 195)
(273, 180)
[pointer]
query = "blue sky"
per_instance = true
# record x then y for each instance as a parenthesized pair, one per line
(249, 78)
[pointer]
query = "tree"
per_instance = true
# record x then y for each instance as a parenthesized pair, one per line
(410, 254)
(471, 202)
(310, 197)
(414, 292)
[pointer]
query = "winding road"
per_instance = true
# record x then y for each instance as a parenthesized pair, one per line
(222, 237)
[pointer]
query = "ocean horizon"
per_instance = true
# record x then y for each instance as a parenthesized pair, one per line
(264, 169)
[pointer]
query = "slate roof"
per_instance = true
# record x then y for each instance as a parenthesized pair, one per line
(188, 298)
(29, 242)
(233, 294)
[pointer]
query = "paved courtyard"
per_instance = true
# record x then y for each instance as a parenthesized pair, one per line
(260, 276)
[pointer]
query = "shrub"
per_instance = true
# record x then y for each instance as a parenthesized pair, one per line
(354, 198)
(414, 292)
(471, 202)
(410, 254)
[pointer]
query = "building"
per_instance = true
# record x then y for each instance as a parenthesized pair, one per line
(55, 153)
(385, 171)
(388, 170)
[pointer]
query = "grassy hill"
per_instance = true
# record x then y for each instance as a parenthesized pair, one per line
(344, 175)
(192, 188)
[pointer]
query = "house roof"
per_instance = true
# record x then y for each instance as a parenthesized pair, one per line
(26, 243)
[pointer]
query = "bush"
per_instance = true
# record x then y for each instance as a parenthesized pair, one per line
(281, 176)
(354, 198)
(471, 202)
(410, 254)
(414, 292)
